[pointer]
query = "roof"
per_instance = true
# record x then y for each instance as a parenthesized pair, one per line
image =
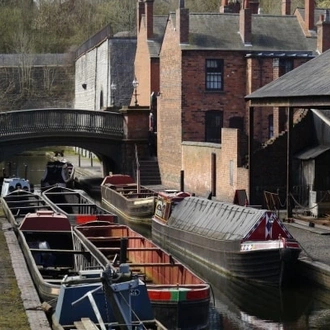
(305, 86)
(317, 13)
(312, 153)
(269, 33)
(155, 42)
(217, 220)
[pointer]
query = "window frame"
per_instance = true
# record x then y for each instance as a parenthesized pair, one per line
(216, 73)
(213, 133)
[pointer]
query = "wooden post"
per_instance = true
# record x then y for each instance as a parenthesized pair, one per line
(250, 152)
(289, 163)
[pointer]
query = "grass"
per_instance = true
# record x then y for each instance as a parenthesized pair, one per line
(12, 312)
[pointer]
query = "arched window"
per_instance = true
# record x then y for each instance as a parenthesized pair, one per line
(101, 100)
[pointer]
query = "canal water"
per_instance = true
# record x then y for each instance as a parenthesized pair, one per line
(235, 305)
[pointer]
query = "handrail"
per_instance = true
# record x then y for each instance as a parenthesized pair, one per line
(60, 121)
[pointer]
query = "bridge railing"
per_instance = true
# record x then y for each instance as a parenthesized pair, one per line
(61, 121)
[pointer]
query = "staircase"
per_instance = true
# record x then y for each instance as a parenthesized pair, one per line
(149, 172)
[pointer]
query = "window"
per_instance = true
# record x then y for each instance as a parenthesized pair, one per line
(285, 65)
(214, 75)
(270, 126)
(213, 125)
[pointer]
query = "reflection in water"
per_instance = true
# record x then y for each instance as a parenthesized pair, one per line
(248, 306)
(239, 305)
(29, 167)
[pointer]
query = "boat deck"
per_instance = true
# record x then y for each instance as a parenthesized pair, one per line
(120, 244)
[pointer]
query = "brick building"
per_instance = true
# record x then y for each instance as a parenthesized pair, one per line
(207, 63)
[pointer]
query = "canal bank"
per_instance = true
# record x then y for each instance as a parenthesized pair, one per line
(314, 256)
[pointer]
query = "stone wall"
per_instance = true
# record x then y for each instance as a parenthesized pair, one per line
(230, 174)
(108, 62)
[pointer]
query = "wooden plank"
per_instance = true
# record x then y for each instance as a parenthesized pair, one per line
(151, 264)
(108, 249)
(30, 207)
(85, 324)
(59, 251)
(79, 325)
(88, 324)
(113, 238)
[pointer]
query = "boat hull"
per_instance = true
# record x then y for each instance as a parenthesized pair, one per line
(76, 205)
(209, 257)
(180, 299)
(182, 315)
(133, 203)
(52, 251)
(17, 204)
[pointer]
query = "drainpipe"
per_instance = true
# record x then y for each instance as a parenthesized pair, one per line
(138, 182)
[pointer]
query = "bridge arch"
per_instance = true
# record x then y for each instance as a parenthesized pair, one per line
(111, 136)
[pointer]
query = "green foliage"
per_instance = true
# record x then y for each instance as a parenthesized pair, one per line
(48, 26)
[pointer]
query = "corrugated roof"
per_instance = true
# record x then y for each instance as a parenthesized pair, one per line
(214, 219)
(312, 153)
(309, 79)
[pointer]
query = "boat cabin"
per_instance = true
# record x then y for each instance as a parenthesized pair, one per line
(11, 184)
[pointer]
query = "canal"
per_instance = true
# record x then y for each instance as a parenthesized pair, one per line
(235, 305)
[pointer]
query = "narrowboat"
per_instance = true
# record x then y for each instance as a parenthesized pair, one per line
(52, 251)
(215, 238)
(76, 205)
(58, 172)
(15, 183)
(179, 298)
(104, 300)
(135, 203)
(18, 203)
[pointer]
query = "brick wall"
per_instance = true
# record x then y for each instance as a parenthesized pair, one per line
(197, 166)
(142, 68)
(196, 100)
(169, 116)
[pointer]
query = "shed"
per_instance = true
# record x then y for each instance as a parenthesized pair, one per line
(305, 87)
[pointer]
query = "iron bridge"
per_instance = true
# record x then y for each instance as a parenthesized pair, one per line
(98, 131)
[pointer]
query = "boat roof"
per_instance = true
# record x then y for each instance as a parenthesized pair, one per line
(45, 220)
(14, 183)
(223, 221)
(117, 179)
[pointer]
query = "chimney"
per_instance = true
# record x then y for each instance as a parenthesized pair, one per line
(254, 6)
(323, 32)
(309, 14)
(224, 6)
(286, 7)
(245, 25)
(140, 12)
(182, 22)
(149, 11)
